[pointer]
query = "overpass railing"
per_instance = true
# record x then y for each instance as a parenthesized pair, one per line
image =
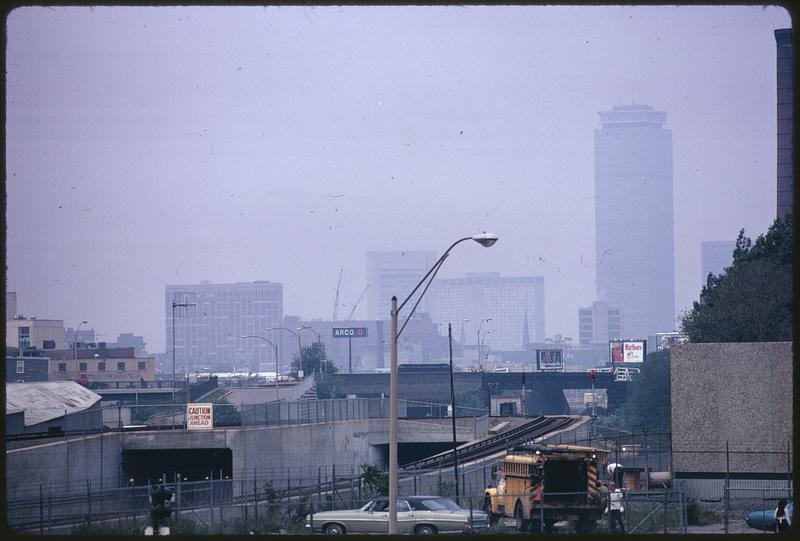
(63, 423)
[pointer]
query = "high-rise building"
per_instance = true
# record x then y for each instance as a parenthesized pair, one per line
(11, 305)
(633, 218)
(395, 273)
(597, 324)
(715, 257)
(515, 304)
(783, 41)
(210, 320)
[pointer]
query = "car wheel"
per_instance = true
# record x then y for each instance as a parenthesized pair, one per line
(424, 529)
(519, 515)
(334, 529)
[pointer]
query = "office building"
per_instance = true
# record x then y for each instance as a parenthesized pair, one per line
(81, 336)
(783, 41)
(210, 320)
(27, 332)
(395, 274)
(515, 304)
(597, 324)
(100, 364)
(715, 257)
(11, 305)
(634, 253)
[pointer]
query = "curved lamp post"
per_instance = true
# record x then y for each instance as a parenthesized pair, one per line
(299, 346)
(480, 364)
(174, 306)
(483, 339)
(484, 239)
(276, 358)
(319, 341)
(75, 340)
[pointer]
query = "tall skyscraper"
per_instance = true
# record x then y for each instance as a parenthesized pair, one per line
(515, 304)
(783, 41)
(633, 218)
(209, 332)
(395, 273)
(715, 256)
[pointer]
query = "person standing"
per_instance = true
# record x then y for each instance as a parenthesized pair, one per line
(782, 518)
(616, 506)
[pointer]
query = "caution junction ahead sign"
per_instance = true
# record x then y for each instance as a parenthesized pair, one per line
(199, 416)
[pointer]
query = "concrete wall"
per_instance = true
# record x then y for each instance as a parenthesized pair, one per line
(71, 462)
(65, 463)
(739, 393)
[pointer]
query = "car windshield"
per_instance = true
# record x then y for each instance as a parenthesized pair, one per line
(440, 504)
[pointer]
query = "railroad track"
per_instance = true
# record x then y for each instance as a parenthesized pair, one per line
(489, 446)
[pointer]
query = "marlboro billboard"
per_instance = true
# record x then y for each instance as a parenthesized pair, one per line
(627, 351)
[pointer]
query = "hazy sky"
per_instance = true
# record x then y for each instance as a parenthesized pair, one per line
(159, 145)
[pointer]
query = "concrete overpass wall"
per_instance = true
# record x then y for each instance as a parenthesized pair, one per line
(66, 463)
(735, 393)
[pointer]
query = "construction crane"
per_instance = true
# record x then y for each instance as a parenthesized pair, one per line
(350, 317)
(336, 302)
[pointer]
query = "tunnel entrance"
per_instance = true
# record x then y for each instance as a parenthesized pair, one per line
(148, 466)
(411, 452)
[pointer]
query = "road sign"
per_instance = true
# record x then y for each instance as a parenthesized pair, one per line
(349, 332)
(199, 416)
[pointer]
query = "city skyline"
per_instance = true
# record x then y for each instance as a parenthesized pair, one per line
(160, 145)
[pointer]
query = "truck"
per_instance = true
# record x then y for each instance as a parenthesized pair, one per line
(540, 485)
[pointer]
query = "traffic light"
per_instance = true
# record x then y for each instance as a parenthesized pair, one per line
(594, 375)
(160, 496)
(524, 379)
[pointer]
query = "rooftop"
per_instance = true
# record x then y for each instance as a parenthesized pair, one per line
(48, 400)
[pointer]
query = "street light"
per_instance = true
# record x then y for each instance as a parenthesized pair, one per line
(299, 346)
(75, 340)
(480, 351)
(276, 359)
(174, 306)
(484, 239)
(310, 328)
(479, 339)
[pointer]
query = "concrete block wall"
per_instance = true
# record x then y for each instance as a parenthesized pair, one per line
(739, 393)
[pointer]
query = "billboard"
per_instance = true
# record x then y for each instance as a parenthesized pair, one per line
(627, 351)
(549, 360)
(200, 416)
(349, 332)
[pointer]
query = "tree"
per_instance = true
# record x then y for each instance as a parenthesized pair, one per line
(225, 413)
(311, 360)
(376, 481)
(751, 301)
(648, 403)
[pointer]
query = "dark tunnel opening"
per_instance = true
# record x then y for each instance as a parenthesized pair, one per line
(148, 466)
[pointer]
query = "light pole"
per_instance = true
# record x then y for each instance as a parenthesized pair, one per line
(75, 340)
(487, 333)
(319, 341)
(453, 408)
(484, 239)
(299, 346)
(174, 306)
(276, 359)
(480, 364)
(310, 328)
